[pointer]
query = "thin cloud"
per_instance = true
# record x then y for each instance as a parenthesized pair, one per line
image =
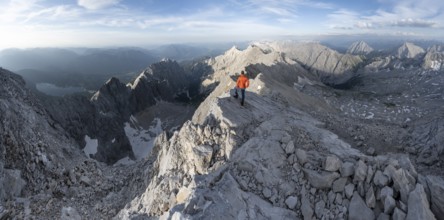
(97, 4)
(64, 12)
(414, 23)
(15, 9)
(279, 9)
(364, 25)
(409, 13)
(398, 14)
(342, 19)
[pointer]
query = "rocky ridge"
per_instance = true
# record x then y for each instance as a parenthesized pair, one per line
(271, 160)
(407, 56)
(316, 57)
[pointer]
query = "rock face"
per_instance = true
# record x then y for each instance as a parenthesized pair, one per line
(359, 210)
(434, 58)
(426, 136)
(359, 48)
(113, 105)
(323, 180)
(410, 51)
(113, 98)
(161, 81)
(418, 205)
(317, 57)
(33, 151)
(436, 186)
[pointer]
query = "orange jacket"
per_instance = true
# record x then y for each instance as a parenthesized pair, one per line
(242, 82)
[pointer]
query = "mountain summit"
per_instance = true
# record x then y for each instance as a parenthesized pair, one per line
(359, 48)
(409, 50)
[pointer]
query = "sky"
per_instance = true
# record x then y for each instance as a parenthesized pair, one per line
(103, 23)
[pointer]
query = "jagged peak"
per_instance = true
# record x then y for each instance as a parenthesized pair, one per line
(112, 86)
(232, 50)
(112, 80)
(359, 47)
(167, 60)
(409, 50)
(436, 48)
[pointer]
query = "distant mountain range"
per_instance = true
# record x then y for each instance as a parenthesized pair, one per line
(89, 68)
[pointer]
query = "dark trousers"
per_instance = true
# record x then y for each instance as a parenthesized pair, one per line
(242, 95)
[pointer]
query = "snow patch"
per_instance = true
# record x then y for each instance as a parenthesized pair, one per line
(90, 146)
(141, 140)
(436, 65)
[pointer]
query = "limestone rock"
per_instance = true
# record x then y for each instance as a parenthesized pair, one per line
(266, 192)
(203, 154)
(358, 210)
(403, 182)
(338, 199)
(360, 172)
(319, 209)
(291, 202)
(332, 163)
(383, 216)
(347, 169)
(349, 190)
(386, 192)
(398, 214)
(85, 180)
(370, 199)
(289, 149)
(436, 187)
(389, 204)
(370, 173)
(322, 180)
(302, 156)
(13, 183)
(380, 179)
(69, 213)
(371, 151)
(339, 185)
(306, 209)
(182, 195)
(418, 206)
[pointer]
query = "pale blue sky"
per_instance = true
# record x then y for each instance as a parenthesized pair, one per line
(97, 23)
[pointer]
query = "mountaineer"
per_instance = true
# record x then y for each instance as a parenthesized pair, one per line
(242, 84)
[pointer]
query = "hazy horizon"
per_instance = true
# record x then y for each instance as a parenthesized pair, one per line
(139, 23)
